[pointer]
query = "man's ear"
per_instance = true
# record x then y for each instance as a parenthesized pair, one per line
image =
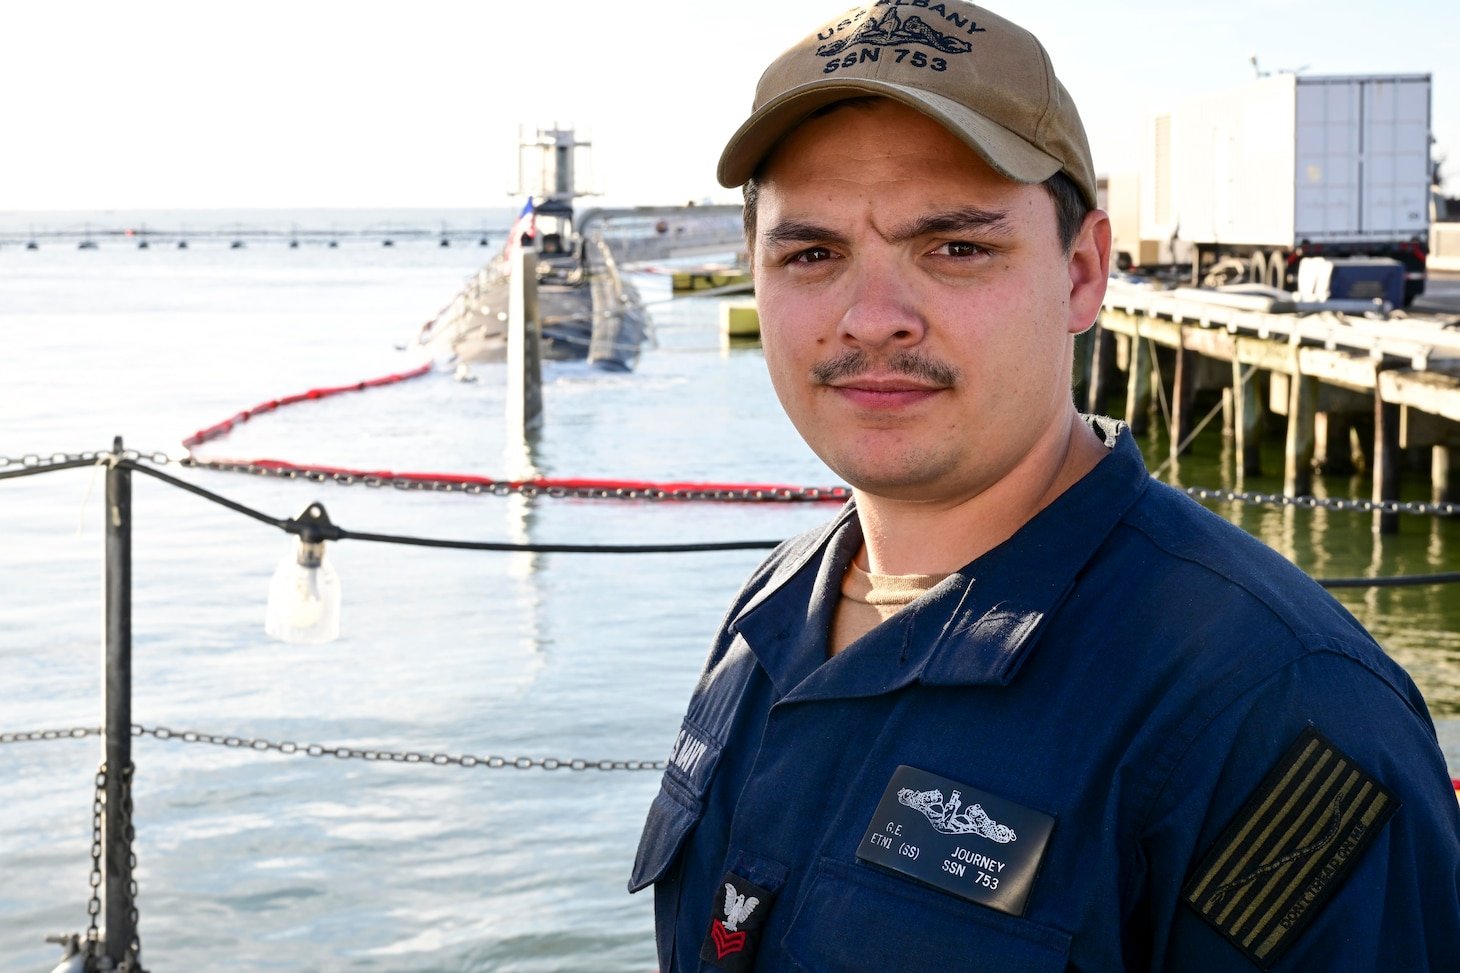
(1089, 266)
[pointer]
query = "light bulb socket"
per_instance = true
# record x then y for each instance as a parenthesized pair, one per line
(311, 553)
(304, 592)
(313, 527)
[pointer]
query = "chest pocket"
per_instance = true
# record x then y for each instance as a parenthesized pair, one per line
(854, 917)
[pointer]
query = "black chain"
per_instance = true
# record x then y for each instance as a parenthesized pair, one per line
(395, 756)
(344, 753)
(129, 836)
(35, 736)
(35, 462)
(93, 947)
(1326, 503)
(504, 488)
(32, 461)
(93, 906)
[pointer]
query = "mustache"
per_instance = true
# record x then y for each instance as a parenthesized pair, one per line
(853, 362)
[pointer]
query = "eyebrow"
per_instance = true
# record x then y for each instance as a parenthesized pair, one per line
(800, 231)
(953, 222)
(948, 222)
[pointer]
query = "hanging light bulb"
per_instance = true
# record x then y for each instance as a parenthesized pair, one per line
(304, 595)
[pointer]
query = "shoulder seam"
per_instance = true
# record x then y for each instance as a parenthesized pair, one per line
(1238, 583)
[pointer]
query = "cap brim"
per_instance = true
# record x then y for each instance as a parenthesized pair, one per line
(1006, 152)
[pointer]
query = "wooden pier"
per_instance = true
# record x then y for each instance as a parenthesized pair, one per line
(1357, 390)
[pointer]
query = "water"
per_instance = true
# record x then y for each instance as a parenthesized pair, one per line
(261, 862)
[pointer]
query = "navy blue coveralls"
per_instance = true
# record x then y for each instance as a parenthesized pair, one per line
(1128, 663)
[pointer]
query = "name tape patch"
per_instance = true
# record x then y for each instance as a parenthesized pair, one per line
(1289, 849)
(693, 757)
(957, 838)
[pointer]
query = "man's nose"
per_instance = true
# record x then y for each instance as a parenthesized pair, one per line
(882, 311)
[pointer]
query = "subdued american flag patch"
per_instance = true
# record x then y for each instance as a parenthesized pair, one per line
(1289, 849)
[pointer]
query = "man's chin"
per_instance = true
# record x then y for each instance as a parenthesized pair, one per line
(903, 487)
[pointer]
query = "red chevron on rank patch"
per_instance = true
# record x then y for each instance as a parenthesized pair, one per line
(726, 943)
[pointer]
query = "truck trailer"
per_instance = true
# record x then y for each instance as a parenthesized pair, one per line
(1288, 167)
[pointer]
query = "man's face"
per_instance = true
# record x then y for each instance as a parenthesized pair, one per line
(917, 309)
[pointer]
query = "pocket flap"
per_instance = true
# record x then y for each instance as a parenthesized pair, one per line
(669, 822)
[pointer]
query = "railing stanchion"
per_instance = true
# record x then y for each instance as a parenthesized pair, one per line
(117, 712)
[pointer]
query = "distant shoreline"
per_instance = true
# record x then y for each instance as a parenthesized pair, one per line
(117, 222)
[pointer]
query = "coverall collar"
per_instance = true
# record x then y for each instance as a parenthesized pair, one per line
(976, 627)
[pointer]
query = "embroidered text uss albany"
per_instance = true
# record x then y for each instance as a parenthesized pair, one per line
(967, 24)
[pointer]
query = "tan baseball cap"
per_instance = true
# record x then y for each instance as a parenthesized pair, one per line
(988, 81)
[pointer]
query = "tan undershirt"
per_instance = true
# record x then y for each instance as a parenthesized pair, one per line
(868, 600)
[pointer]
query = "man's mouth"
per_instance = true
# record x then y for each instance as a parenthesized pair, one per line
(887, 385)
(883, 392)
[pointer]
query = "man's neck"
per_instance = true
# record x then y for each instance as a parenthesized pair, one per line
(904, 537)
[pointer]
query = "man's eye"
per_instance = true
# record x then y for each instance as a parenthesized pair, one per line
(811, 255)
(959, 248)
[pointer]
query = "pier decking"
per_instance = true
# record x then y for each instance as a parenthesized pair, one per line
(1354, 388)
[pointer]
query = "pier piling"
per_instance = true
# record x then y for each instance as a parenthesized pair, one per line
(1298, 451)
(1138, 384)
(1386, 462)
(1183, 397)
(1102, 369)
(1336, 376)
(1246, 419)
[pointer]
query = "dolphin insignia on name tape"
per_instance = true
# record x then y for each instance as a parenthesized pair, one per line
(947, 818)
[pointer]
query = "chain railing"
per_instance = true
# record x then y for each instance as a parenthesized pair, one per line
(133, 949)
(486, 486)
(1344, 504)
(49, 462)
(31, 463)
(291, 748)
(47, 736)
(112, 878)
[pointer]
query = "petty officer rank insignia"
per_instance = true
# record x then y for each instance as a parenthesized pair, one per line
(734, 934)
(956, 838)
(1289, 849)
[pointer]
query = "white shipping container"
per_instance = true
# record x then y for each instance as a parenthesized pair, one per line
(1289, 159)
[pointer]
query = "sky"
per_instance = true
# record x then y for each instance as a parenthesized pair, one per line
(321, 103)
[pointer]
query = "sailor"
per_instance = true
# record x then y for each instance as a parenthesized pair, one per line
(1184, 753)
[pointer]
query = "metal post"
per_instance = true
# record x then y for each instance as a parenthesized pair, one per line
(117, 713)
(524, 347)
